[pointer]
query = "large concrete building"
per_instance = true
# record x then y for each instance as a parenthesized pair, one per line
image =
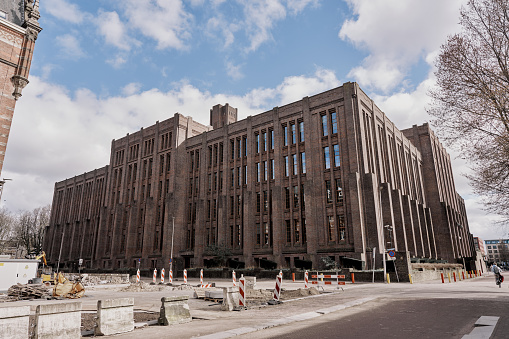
(19, 28)
(327, 176)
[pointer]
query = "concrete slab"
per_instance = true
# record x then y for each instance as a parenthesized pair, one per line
(14, 322)
(62, 320)
(487, 321)
(115, 316)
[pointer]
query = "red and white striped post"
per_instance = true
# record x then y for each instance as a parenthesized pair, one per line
(162, 276)
(277, 290)
(442, 275)
(185, 276)
(171, 276)
(242, 284)
(201, 276)
(138, 276)
(306, 279)
(154, 278)
(234, 279)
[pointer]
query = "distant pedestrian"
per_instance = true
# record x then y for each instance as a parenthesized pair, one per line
(499, 278)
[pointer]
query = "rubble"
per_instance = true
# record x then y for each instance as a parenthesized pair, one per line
(27, 291)
(65, 288)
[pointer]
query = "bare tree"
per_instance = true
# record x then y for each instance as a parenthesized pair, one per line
(471, 101)
(29, 229)
(6, 226)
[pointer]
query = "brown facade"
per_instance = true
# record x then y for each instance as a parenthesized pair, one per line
(18, 31)
(329, 175)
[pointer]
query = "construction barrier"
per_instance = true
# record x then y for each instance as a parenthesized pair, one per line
(442, 275)
(293, 277)
(114, 316)
(242, 284)
(174, 310)
(154, 278)
(449, 276)
(14, 321)
(353, 278)
(463, 273)
(306, 281)
(206, 285)
(201, 277)
(454, 275)
(328, 276)
(185, 276)
(388, 278)
(62, 320)
(277, 289)
(410, 278)
(162, 276)
(138, 276)
(171, 276)
(234, 279)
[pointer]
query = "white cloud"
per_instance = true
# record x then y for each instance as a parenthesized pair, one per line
(165, 21)
(63, 10)
(297, 6)
(233, 71)
(69, 46)
(114, 30)
(396, 34)
(131, 89)
(118, 61)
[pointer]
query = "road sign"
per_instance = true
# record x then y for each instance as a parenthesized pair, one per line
(80, 262)
(392, 253)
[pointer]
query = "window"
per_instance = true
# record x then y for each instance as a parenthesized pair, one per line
(339, 192)
(265, 201)
(197, 159)
(271, 139)
(337, 162)
(295, 165)
(257, 143)
(272, 174)
(303, 162)
(331, 227)
(239, 176)
(302, 202)
(244, 145)
(286, 166)
(287, 197)
(301, 131)
(295, 197)
(296, 230)
(293, 135)
(258, 202)
(341, 227)
(326, 157)
(285, 135)
(288, 231)
(257, 172)
(334, 123)
(239, 148)
(265, 233)
(325, 130)
(264, 140)
(304, 230)
(328, 192)
(232, 177)
(239, 204)
(232, 205)
(265, 174)
(245, 175)
(258, 235)
(232, 149)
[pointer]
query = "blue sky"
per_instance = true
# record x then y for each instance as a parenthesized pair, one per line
(102, 69)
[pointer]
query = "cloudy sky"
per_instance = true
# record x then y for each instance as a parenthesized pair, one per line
(105, 68)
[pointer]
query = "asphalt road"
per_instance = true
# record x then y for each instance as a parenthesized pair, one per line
(404, 318)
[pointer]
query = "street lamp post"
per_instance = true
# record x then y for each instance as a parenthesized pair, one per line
(172, 236)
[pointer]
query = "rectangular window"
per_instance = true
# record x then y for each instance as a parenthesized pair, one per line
(214, 211)
(341, 227)
(286, 165)
(287, 197)
(271, 139)
(239, 176)
(302, 201)
(325, 130)
(331, 227)
(265, 233)
(258, 235)
(272, 174)
(168, 161)
(339, 192)
(210, 156)
(258, 202)
(245, 175)
(296, 230)
(295, 165)
(294, 134)
(326, 157)
(221, 180)
(301, 131)
(295, 197)
(197, 159)
(232, 149)
(231, 236)
(232, 177)
(337, 162)
(285, 135)
(239, 236)
(264, 140)
(215, 181)
(208, 209)
(258, 172)
(265, 201)
(244, 145)
(239, 205)
(210, 181)
(232, 205)
(257, 143)
(288, 231)
(303, 162)
(328, 192)
(334, 123)
(265, 174)
(304, 230)
(221, 153)
(239, 148)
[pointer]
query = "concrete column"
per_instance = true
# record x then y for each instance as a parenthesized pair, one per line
(58, 321)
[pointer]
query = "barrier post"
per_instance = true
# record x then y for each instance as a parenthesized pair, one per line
(171, 277)
(410, 278)
(454, 275)
(463, 274)
(234, 279)
(162, 276)
(277, 290)
(242, 284)
(185, 276)
(306, 281)
(449, 276)
(154, 278)
(353, 278)
(138, 276)
(442, 275)
(201, 276)
(293, 277)
(388, 278)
